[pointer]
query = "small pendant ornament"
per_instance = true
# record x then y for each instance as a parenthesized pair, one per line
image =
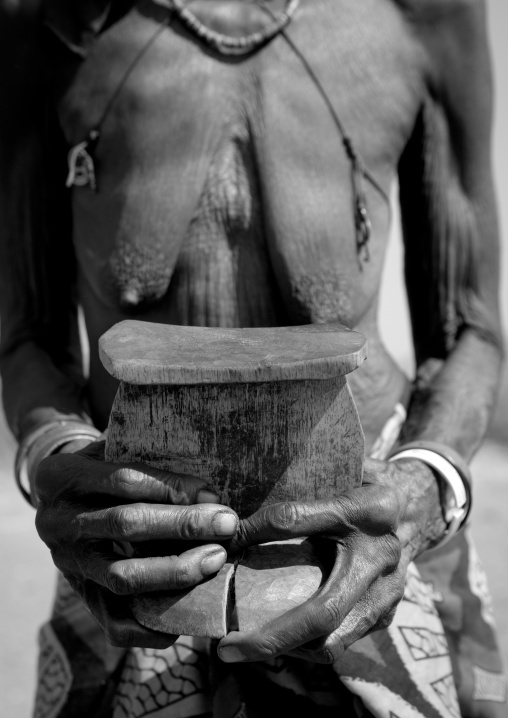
(363, 226)
(81, 163)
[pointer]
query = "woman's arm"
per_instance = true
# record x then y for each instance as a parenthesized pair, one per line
(451, 237)
(40, 358)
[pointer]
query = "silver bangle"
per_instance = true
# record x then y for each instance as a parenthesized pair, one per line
(42, 441)
(458, 497)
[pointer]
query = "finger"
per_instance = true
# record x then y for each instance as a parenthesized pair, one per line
(373, 508)
(83, 475)
(356, 569)
(374, 612)
(317, 617)
(124, 577)
(278, 637)
(113, 615)
(154, 522)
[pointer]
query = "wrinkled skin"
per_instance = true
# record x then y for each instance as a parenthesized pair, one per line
(131, 503)
(374, 535)
(236, 210)
(85, 504)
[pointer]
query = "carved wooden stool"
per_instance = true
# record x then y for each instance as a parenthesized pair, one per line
(263, 416)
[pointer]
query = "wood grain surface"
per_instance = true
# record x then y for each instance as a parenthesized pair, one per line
(254, 444)
(263, 416)
(273, 578)
(144, 353)
(201, 611)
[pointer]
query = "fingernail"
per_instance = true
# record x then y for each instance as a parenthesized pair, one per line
(213, 562)
(231, 654)
(224, 524)
(207, 497)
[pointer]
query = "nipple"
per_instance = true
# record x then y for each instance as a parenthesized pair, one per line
(130, 297)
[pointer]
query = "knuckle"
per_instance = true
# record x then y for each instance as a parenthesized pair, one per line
(395, 596)
(124, 522)
(134, 577)
(127, 478)
(331, 614)
(117, 580)
(388, 508)
(366, 623)
(381, 512)
(391, 552)
(190, 524)
(351, 509)
(182, 575)
(243, 534)
(371, 552)
(386, 618)
(399, 594)
(176, 489)
(267, 648)
(351, 505)
(382, 553)
(285, 517)
(78, 527)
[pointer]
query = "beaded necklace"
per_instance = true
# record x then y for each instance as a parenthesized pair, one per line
(227, 45)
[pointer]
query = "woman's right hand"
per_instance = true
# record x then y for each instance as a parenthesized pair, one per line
(86, 504)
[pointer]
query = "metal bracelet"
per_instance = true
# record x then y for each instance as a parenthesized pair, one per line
(42, 441)
(453, 470)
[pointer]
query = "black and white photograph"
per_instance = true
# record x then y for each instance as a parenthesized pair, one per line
(253, 328)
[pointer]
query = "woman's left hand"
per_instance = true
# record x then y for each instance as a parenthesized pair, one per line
(378, 529)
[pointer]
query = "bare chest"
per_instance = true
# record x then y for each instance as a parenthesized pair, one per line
(224, 191)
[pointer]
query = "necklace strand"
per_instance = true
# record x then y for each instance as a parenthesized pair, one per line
(228, 45)
(359, 171)
(80, 158)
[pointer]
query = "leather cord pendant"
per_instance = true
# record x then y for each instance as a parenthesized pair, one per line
(81, 163)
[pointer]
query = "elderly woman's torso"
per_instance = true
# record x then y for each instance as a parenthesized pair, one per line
(224, 190)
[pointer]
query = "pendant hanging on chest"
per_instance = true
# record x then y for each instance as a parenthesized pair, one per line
(363, 229)
(81, 163)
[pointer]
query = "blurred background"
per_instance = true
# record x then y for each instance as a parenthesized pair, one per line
(27, 587)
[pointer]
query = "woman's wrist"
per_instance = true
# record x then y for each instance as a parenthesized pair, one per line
(43, 440)
(422, 523)
(452, 476)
